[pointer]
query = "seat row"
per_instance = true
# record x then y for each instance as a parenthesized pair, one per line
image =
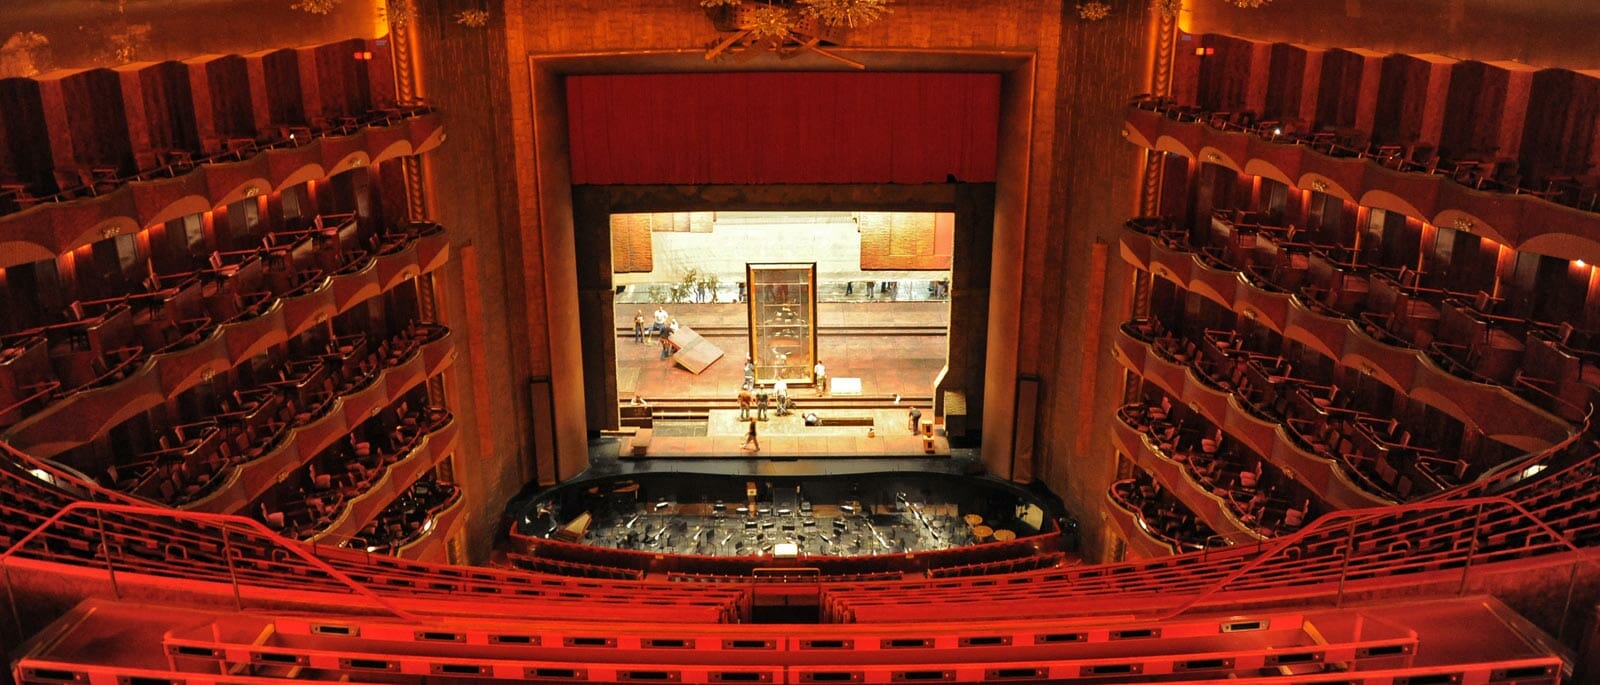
(1262, 647)
(1388, 545)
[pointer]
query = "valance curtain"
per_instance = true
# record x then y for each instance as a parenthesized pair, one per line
(788, 127)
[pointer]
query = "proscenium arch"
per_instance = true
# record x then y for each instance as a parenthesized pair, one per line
(547, 256)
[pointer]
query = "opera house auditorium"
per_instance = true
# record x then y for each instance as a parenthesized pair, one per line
(425, 342)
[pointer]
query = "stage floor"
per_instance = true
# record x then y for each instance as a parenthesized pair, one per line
(893, 347)
(788, 436)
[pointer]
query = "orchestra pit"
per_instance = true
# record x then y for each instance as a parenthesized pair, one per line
(437, 342)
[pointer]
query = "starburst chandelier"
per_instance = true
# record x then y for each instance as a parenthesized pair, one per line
(850, 13)
(787, 27)
(1093, 11)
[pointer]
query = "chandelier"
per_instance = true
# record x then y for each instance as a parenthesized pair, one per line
(787, 28)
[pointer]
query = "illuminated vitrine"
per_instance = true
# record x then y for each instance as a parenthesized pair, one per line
(783, 321)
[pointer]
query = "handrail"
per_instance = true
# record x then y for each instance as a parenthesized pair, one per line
(225, 522)
(1350, 516)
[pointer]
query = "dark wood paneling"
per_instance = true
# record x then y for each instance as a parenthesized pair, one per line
(169, 107)
(342, 82)
(228, 79)
(1402, 93)
(1474, 105)
(24, 140)
(282, 73)
(1339, 90)
(1285, 78)
(94, 114)
(1225, 73)
(1558, 135)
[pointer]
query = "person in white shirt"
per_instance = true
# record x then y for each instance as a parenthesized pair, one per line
(661, 321)
(821, 373)
(781, 389)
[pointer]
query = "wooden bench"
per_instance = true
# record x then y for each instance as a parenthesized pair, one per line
(641, 441)
(823, 420)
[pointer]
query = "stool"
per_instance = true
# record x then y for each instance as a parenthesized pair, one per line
(927, 428)
(1004, 535)
(982, 533)
(973, 519)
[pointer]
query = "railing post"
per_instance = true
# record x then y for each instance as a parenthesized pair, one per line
(105, 548)
(1344, 566)
(11, 596)
(1566, 606)
(1472, 548)
(233, 576)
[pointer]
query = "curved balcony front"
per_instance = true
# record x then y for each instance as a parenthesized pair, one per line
(1265, 437)
(444, 525)
(432, 448)
(1206, 506)
(311, 304)
(1492, 409)
(1131, 527)
(249, 480)
(89, 413)
(1521, 221)
(52, 228)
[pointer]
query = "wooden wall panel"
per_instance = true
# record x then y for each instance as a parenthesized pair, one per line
(904, 241)
(95, 116)
(1285, 78)
(631, 247)
(169, 107)
(1402, 97)
(1225, 73)
(228, 83)
(24, 138)
(1339, 90)
(1559, 132)
(1473, 106)
(281, 72)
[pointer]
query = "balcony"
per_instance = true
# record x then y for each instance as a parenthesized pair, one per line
(439, 442)
(123, 384)
(1246, 423)
(1517, 220)
(156, 195)
(1500, 412)
(315, 431)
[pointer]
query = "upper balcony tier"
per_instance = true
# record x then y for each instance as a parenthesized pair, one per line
(1519, 220)
(49, 228)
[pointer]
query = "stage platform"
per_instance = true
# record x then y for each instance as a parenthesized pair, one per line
(789, 437)
(890, 347)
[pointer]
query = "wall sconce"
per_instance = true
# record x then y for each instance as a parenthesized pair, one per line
(1213, 157)
(1461, 223)
(1319, 185)
(110, 232)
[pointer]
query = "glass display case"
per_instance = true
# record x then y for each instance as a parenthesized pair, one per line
(783, 321)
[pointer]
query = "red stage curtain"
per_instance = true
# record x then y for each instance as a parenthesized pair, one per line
(768, 127)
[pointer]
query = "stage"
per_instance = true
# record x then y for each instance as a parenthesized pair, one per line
(842, 433)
